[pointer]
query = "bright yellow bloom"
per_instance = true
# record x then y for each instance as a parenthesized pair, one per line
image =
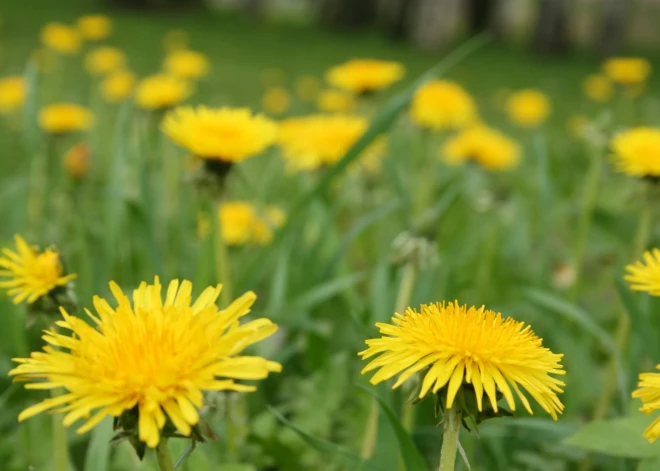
(276, 100)
(307, 87)
(12, 94)
(94, 27)
(65, 117)
(649, 393)
(645, 276)
(226, 134)
(160, 91)
(76, 161)
(627, 70)
(598, 88)
(31, 274)
(442, 105)
(273, 77)
(175, 40)
(189, 65)
(60, 38)
(365, 75)
(335, 101)
(467, 345)
(241, 223)
(118, 86)
(103, 60)
(637, 152)
(152, 355)
(488, 147)
(528, 108)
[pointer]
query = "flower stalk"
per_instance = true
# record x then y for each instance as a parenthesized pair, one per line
(163, 456)
(450, 435)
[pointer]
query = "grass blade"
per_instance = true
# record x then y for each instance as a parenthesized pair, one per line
(98, 450)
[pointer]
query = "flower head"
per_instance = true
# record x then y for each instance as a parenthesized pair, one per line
(160, 91)
(12, 94)
(307, 87)
(637, 152)
(76, 161)
(242, 223)
(365, 75)
(276, 100)
(65, 117)
(454, 345)
(649, 393)
(225, 134)
(186, 64)
(104, 60)
(598, 88)
(94, 27)
(645, 276)
(118, 86)
(152, 356)
(60, 38)
(441, 105)
(335, 101)
(30, 274)
(488, 147)
(528, 108)
(627, 70)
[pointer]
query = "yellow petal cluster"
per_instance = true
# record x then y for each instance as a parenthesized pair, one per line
(94, 27)
(649, 392)
(335, 101)
(103, 60)
(487, 147)
(442, 105)
(636, 152)
(528, 108)
(187, 64)
(12, 94)
(161, 91)
(60, 38)
(598, 88)
(276, 101)
(645, 275)
(61, 118)
(627, 70)
(118, 86)
(242, 223)
(365, 75)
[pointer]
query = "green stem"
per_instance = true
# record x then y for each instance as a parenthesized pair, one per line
(221, 257)
(450, 438)
(488, 257)
(60, 445)
(163, 456)
(370, 432)
(544, 203)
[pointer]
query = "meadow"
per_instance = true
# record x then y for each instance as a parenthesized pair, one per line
(509, 183)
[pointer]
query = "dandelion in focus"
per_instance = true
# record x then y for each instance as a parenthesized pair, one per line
(150, 357)
(118, 86)
(62, 118)
(363, 76)
(94, 27)
(307, 87)
(645, 275)
(60, 38)
(649, 393)
(76, 161)
(103, 60)
(29, 274)
(627, 70)
(185, 64)
(636, 152)
(276, 101)
(487, 147)
(442, 105)
(335, 101)
(161, 91)
(243, 224)
(528, 108)
(12, 94)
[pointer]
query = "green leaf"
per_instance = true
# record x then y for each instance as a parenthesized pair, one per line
(325, 291)
(31, 108)
(97, 457)
(649, 465)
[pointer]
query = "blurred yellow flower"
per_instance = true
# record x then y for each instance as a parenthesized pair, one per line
(307, 87)
(637, 152)
(147, 356)
(577, 126)
(224, 134)
(649, 392)
(65, 117)
(528, 108)
(12, 94)
(335, 101)
(442, 105)
(94, 27)
(160, 91)
(60, 38)
(276, 101)
(273, 77)
(76, 161)
(365, 75)
(118, 86)
(175, 39)
(627, 70)
(487, 147)
(103, 60)
(645, 276)
(452, 346)
(31, 274)
(241, 223)
(598, 88)
(190, 65)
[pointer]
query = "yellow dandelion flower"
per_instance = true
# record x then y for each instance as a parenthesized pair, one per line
(335, 101)
(637, 152)
(94, 27)
(649, 393)
(467, 345)
(273, 77)
(60, 38)
(365, 75)
(276, 101)
(150, 356)
(225, 134)
(528, 108)
(307, 87)
(118, 86)
(12, 94)
(65, 117)
(76, 161)
(627, 70)
(598, 88)
(103, 60)
(189, 65)
(30, 274)
(175, 40)
(442, 105)
(160, 91)
(645, 276)
(488, 147)
(242, 223)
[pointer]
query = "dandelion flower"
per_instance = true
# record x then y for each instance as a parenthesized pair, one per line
(103, 60)
(637, 152)
(645, 276)
(60, 38)
(488, 147)
(94, 27)
(598, 88)
(335, 101)
(30, 274)
(65, 117)
(241, 223)
(152, 357)
(528, 108)
(454, 345)
(649, 393)
(307, 87)
(365, 75)
(185, 64)
(276, 101)
(76, 161)
(627, 70)
(161, 91)
(12, 94)
(118, 86)
(442, 105)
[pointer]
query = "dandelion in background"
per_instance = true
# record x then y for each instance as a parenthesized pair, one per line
(636, 152)
(528, 108)
(244, 224)
(60, 38)
(364, 76)
(94, 27)
(147, 362)
(335, 101)
(645, 275)
(442, 105)
(188, 65)
(598, 88)
(627, 70)
(60, 118)
(307, 87)
(103, 60)
(276, 101)
(76, 161)
(487, 147)
(29, 274)
(161, 91)
(12, 94)
(118, 86)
